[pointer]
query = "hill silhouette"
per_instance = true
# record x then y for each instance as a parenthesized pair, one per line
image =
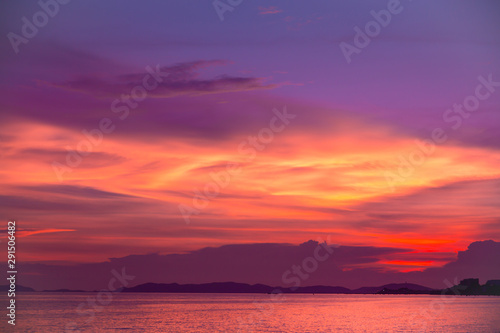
(232, 287)
(466, 287)
(6, 287)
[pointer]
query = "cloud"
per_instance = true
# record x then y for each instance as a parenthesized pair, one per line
(481, 259)
(75, 191)
(92, 159)
(297, 23)
(269, 10)
(449, 208)
(351, 266)
(176, 80)
(25, 233)
(72, 204)
(253, 263)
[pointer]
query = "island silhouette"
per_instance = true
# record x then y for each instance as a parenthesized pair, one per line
(466, 287)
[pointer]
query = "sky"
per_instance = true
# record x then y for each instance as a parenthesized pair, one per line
(165, 127)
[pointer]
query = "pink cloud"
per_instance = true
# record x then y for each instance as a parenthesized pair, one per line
(269, 10)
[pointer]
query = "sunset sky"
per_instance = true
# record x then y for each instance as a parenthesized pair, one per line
(303, 143)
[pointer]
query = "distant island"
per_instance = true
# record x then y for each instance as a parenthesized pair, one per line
(466, 287)
(64, 291)
(232, 287)
(6, 288)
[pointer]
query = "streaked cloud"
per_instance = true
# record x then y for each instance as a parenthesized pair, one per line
(322, 175)
(269, 10)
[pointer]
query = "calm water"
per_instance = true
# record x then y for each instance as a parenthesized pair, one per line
(52, 312)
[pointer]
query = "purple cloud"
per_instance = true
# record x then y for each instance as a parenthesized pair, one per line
(175, 80)
(266, 263)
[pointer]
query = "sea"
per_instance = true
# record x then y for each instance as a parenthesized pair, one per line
(209, 313)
